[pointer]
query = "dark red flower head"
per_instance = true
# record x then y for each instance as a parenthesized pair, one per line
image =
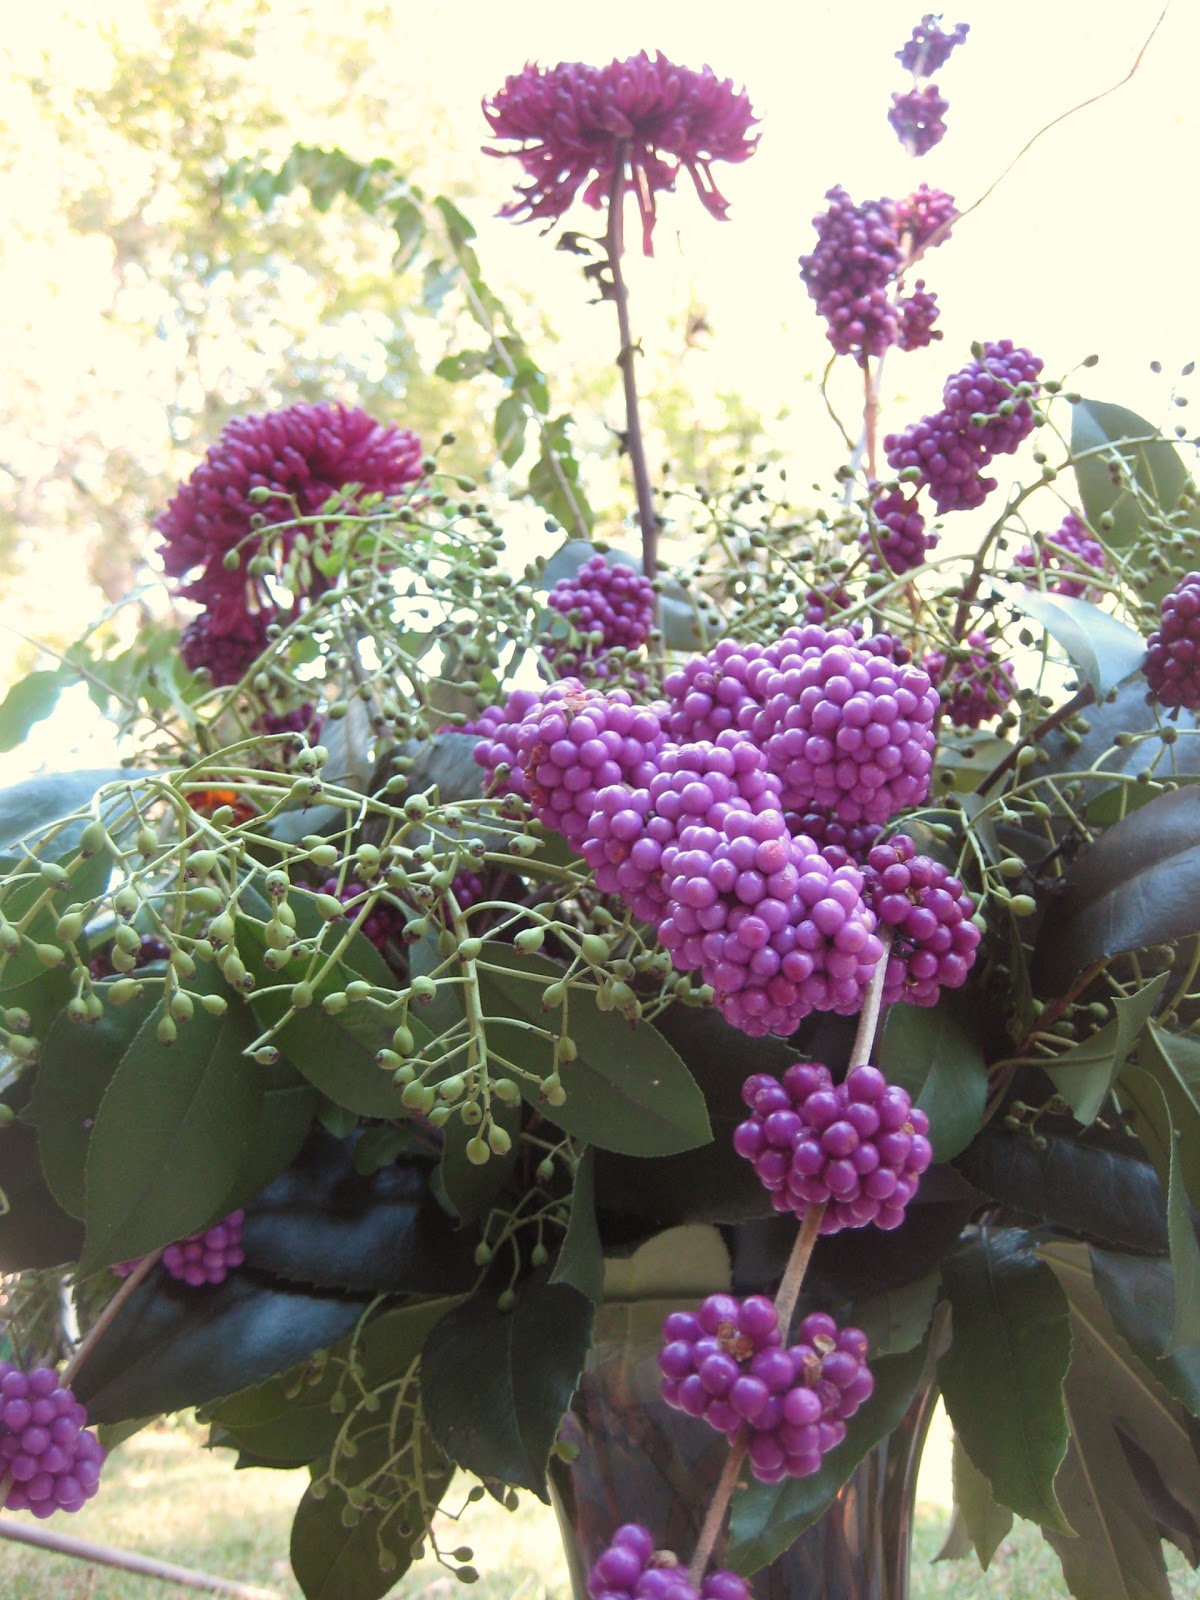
(302, 455)
(571, 124)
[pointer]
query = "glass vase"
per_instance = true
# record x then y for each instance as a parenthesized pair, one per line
(641, 1461)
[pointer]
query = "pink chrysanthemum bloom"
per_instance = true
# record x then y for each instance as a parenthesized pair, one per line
(302, 455)
(570, 125)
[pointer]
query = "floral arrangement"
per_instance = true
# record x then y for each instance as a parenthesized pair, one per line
(459, 932)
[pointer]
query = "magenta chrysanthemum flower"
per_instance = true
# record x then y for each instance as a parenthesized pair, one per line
(302, 455)
(570, 125)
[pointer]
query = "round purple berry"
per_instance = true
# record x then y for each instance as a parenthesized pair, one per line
(1173, 649)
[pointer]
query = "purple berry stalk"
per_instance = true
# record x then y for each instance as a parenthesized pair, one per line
(793, 1277)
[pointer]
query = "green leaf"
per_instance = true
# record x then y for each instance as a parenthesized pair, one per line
(285, 1116)
(466, 364)
(1157, 472)
(336, 1561)
(674, 1265)
(987, 1522)
(38, 802)
(1185, 1252)
(31, 699)
(627, 1090)
(1101, 1195)
(897, 1319)
(931, 1052)
(555, 480)
(766, 1517)
(1085, 1075)
(1120, 1421)
(169, 1347)
(1139, 1295)
(34, 1230)
(1002, 1376)
(532, 1357)
(1102, 649)
(1138, 884)
(171, 1135)
(581, 1258)
(512, 418)
(76, 1067)
(473, 1190)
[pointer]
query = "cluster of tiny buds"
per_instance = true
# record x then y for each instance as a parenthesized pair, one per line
(726, 1362)
(632, 1569)
(50, 1460)
(858, 1148)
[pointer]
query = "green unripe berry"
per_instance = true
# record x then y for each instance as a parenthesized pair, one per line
(181, 1007)
(93, 839)
(499, 1140)
(524, 844)
(553, 995)
(302, 996)
(483, 1254)
(334, 1004)
(49, 955)
(418, 1096)
(416, 807)
(206, 900)
(124, 990)
(552, 1090)
(1011, 867)
(329, 907)
(147, 840)
(470, 949)
(10, 939)
(478, 1152)
(221, 929)
(402, 1041)
(1025, 756)
(539, 1255)
(69, 927)
(182, 964)
(127, 939)
(545, 1170)
(438, 1117)
(121, 959)
(277, 883)
(367, 858)
(1022, 905)
(506, 1091)
(324, 856)
(471, 1114)
(215, 1005)
(447, 944)
(530, 940)
(54, 875)
(201, 863)
(423, 989)
(504, 1302)
(24, 1049)
(450, 1088)
(594, 949)
(126, 901)
(167, 1031)
(276, 960)
(77, 1009)
(359, 989)
(566, 1049)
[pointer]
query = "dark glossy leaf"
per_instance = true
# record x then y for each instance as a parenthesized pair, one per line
(285, 1117)
(626, 1091)
(1128, 711)
(532, 1356)
(447, 763)
(34, 1230)
(581, 1257)
(1010, 1323)
(1139, 1295)
(171, 1346)
(1173, 1061)
(935, 1055)
(1101, 1195)
(1154, 1118)
(1153, 463)
(40, 801)
(1112, 1404)
(677, 1264)
(1085, 1075)
(323, 1223)
(766, 1517)
(1102, 650)
(1137, 885)
(171, 1135)
(31, 699)
(897, 1319)
(77, 1064)
(986, 1521)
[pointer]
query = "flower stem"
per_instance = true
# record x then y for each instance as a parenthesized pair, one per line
(98, 1328)
(614, 246)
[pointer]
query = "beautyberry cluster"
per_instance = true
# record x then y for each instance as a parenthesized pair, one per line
(1173, 649)
(934, 937)
(924, 215)
(52, 1461)
(929, 48)
(857, 1148)
(1070, 552)
(849, 273)
(632, 1569)
(918, 115)
(977, 688)
(987, 410)
(895, 536)
(384, 923)
(610, 607)
(207, 1257)
(725, 1362)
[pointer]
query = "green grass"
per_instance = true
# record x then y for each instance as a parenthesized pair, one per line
(166, 1497)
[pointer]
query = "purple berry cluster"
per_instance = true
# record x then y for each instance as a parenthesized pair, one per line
(918, 313)
(610, 607)
(924, 218)
(895, 536)
(987, 410)
(383, 925)
(976, 690)
(1173, 649)
(725, 1362)
(201, 1258)
(934, 936)
(857, 1148)
(918, 118)
(52, 1461)
(1070, 552)
(929, 48)
(632, 1569)
(847, 728)
(850, 272)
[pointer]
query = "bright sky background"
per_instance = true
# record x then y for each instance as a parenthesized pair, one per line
(1089, 245)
